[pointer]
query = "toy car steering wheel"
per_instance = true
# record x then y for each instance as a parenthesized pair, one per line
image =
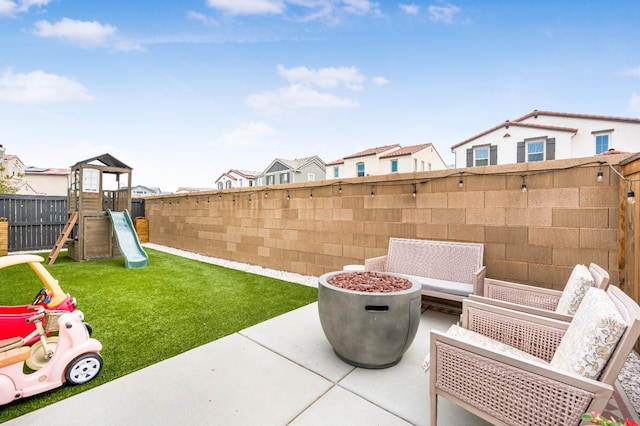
(40, 297)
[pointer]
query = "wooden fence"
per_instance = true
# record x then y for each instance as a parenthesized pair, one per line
(36, 221)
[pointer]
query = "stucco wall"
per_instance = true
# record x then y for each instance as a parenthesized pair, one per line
(565, 217)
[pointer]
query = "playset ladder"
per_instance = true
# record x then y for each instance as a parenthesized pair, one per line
(62, 239)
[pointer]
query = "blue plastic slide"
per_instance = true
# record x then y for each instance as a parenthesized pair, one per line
(134, 255)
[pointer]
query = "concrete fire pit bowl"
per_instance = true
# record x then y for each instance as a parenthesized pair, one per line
(369, 318)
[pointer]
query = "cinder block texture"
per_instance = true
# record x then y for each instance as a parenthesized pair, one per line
(534, 237)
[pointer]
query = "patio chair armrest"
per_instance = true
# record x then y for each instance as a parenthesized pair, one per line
(538, 297)
(376, 264)
(534, 334)
(487, 380)
(478, 281)
(521, 308)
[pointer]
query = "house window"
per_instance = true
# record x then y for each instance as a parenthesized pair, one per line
(250, 183)
(535, 151)
(394, 166)
(311, 177)
(228, 184)
(284, 177)
(602, 143)
(481, 156)
(270, 180)
(220, 185)
(336, 172)
(360, 169)
(415, 164)
(239, 183)
(260, 181)
(422, 166)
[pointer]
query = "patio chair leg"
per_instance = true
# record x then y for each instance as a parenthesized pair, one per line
(434, 409)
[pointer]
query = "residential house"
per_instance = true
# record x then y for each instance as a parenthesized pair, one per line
(236, 179)
(188, 189)
(282, 171)
(12, 170)
(387, 159)
(546, 135)
(48, 181)
(139, 191)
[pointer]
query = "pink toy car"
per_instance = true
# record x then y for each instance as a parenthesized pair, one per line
(76, 360)
(51, 297)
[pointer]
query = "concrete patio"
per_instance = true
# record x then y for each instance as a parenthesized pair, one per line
(279, 372)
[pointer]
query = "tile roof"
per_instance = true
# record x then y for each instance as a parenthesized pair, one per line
(407, 150)
(46, 171)
(508, 123)
(535, 113)
(336, 162)
(372, 151)
(299, 162)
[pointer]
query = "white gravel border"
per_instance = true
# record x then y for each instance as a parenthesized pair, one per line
(307, 280)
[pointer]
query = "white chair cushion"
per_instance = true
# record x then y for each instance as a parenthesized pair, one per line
(483, 341)
(443, 286)
(579, 282)
(591, 336)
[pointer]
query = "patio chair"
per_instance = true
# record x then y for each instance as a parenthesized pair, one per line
(544, 301)
(513, 368)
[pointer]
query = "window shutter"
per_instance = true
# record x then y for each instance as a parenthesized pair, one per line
(520, 152)
(551, 148)
(470, 157)
(493, 155)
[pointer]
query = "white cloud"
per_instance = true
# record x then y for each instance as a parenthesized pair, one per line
(634, 103)
(248, 7)
(380, 81)
(247, 135)
(83, 33)
(326, 78)
(37, 87)
(410, 9)
(7, 8)
(633, 72)
(10, 7)
(201, 17)
(297, 96)
(443, 13)
(309, 10)
(360, 7)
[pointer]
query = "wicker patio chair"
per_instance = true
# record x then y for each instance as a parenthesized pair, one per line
(513, 368)
(544, 301)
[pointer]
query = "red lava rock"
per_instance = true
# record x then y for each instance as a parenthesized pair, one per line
(372, 282)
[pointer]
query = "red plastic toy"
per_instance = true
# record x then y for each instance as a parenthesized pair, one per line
(13, 319)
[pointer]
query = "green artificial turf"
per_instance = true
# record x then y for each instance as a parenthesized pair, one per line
(145, 315)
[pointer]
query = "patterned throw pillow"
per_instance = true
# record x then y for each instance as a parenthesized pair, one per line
(591, 336)
(579, 282)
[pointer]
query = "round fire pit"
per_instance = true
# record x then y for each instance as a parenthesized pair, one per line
(370, 318)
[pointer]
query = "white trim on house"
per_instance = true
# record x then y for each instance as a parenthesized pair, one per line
(563, 135)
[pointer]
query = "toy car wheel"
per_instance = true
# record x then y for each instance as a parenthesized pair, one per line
(37, 357)
(83, 369)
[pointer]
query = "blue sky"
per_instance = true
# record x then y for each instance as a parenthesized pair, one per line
(183, 91)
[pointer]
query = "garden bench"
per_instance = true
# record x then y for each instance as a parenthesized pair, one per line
(448, 270)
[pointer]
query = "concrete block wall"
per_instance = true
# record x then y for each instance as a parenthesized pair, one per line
(536, 237)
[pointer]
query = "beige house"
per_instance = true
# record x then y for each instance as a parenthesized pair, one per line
(387, 159)
(236, 179)
(48, 181)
